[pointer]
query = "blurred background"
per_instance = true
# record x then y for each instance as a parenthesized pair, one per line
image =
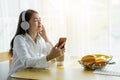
(91, 26)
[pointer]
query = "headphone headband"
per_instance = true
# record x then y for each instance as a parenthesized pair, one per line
(23, 16)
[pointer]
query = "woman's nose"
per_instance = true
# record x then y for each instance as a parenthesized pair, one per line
(39, 22)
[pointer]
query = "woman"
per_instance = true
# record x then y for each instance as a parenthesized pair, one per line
(30, 46)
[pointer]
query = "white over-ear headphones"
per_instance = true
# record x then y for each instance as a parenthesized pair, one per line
(24, 24)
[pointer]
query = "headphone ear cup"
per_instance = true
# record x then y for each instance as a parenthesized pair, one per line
(25, 25)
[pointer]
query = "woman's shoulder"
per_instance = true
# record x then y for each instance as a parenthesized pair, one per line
(20, 37)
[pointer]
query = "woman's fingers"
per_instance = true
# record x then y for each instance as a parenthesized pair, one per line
(63, 49)
(58, 51)
(61, 45)
(56, 46)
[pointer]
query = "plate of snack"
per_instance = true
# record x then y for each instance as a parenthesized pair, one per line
(95, 61)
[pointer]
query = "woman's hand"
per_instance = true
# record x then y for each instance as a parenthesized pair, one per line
(43, 33)
(56, 52)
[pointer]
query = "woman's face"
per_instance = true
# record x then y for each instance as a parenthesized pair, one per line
(35, 23)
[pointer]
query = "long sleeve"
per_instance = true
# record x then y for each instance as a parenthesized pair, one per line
(23, 54)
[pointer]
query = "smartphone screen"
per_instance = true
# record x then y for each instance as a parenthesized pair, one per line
(61, 40)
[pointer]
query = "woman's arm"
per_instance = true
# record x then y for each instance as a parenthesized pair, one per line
(44, 35)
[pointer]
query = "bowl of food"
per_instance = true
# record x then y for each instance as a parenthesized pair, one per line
(95, 61)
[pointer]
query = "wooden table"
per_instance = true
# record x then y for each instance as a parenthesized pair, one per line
(71, 70)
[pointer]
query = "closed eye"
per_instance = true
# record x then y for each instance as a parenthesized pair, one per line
(37, 19)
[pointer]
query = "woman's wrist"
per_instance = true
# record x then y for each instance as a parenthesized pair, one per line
(48, 58)
(45, 38)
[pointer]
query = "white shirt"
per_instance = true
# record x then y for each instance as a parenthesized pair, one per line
(27, 53)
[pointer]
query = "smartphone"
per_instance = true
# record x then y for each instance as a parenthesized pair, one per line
(62, 40)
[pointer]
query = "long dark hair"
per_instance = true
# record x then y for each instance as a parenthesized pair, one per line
(19, 31)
